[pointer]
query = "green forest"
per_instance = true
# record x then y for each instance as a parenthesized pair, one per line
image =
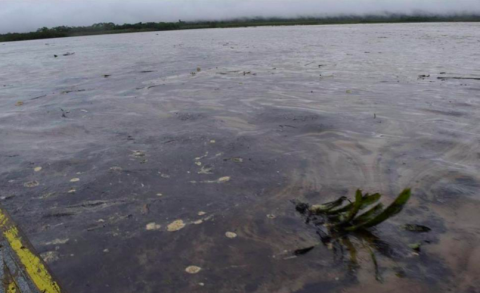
(112, 28)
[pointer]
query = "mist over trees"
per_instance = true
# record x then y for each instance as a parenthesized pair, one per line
(112, 28)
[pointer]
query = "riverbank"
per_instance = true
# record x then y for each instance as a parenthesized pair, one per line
(111, 28)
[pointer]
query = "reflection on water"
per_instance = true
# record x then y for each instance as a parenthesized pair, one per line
(306, 113)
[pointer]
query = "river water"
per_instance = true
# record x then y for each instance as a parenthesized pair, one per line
(103, 149)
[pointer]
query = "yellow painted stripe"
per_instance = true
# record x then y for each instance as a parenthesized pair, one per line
(9, 283)
(12, 287)
(34, 267)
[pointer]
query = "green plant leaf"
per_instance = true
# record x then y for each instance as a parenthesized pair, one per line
(367, 200)
(416, 228)
(370, 199)
(378, 277)
(415, 246)
(356, 206)
(353, 253)
(392, 210)
(369, 215)
(323, 208)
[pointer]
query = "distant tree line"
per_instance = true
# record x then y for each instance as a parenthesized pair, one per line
(111, 28)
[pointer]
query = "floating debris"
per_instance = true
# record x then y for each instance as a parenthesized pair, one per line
(193, 270)
(212, 141)
(72, 91)
(74, 179)
(198, 222)
(201, 213)
(31, 184)
(223, 179)
(50, 256)
(72, 190)
(231, 235)
(47, 195)
(219, 180)
(205, 170)
(176, 225)
(164, 175)
(198, 163)
(159, 194)
(271, 216)
(37, 169)
(7, 197)
(423, 76)
(19, 103)
(199, 158)
(138, 154)
(153, 226)
(58, 214)
(456, 77)
(303, 250)
(64, 113)
(58, 241)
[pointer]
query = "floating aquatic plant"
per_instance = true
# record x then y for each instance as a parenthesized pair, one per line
(341, 218)
(338, 219)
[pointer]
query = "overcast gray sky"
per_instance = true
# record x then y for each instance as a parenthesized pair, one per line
(28, 15)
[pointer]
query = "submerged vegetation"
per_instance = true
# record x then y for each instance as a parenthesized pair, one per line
(112, 28)
(341, 219)
(340, 225)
